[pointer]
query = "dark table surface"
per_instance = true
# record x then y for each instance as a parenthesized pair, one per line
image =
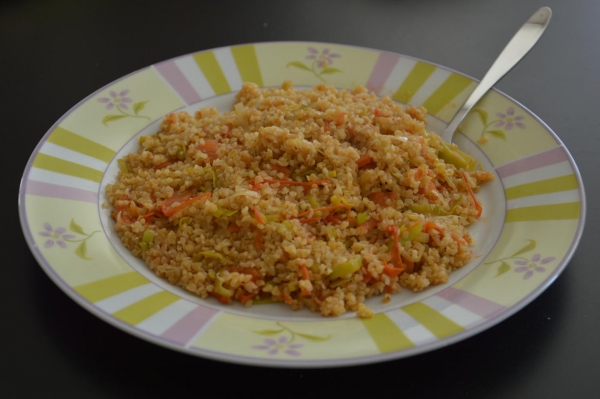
(55, 53)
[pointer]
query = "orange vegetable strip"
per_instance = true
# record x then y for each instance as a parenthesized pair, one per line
(477, 204)
(396, 257)
(287, 299)
(210, 148)
(323, 209)
(259, 217)
(340, 118)
(377, 112)
(168, 212)
(369, 224)
(281, 169)
(391, 271)
(363, 160)
(246, 298)
(432, 226)
(380, 198)
(304, 271)
(326, 127)
(221, 298)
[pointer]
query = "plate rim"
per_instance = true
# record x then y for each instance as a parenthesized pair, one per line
(299, 363)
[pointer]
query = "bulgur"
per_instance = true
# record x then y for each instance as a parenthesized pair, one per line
(317, 198)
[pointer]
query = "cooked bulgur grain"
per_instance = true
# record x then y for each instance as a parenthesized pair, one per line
(318, 198)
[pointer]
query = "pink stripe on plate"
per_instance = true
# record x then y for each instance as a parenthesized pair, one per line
(550, 157)
(55, 191)
(381, 72)
(172, 74)
(185, 329)
(476, 304)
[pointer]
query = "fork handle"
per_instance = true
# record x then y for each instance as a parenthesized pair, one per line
(515, 50)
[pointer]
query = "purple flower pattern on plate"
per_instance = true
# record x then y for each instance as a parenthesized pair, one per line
(506, 120)
(281, 344)
(57, 236)
(61, 239)
(321, 61)
(532, 266)
(116, 99)
(121, 103)
(324, 58)
(284, 345)
(527, 266)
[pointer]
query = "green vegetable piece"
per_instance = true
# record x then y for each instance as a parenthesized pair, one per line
(346, 268)
(287, 224)
(361, 218)
(332, 173)
(273, 218)
(312, 201)
(223, 212)
(214, 176)
(181, 152)
(219, 289)
(340, 282)
(148, 236)
(123, 166)
(415, 231)
(184, 220)
(144, 246)
(428, 209)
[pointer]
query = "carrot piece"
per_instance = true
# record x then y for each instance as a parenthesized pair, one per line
(309, 220)
(324, 208)
(364, 160)
(221, 298)
(377, 112)
(380, 198)
(391, 271)
(340, 118)
(210, 148)
(367, 277)
(259, 217)
(410, 265)
(432, 226)
(326, 127)
(368, 225)
(246, 298)
(281, 169)
(396, 256)
(332, 218)
(286, 298)
(304, 271)
(171, 211)
(477, 204)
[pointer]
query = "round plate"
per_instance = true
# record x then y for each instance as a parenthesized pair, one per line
(533, 219)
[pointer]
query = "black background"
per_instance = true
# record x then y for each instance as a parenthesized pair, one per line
(54, 53)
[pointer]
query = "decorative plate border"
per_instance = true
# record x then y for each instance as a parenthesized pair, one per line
(127, 300)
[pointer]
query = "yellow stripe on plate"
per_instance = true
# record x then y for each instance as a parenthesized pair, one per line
(413, 82)
(556, 184)
(107, 287)
(451, 88)
(387, 336)
(569, 210)
(58, 165)
(75, 142)
(247, 63)
(431, 319)
(141, 310)
(207, 62)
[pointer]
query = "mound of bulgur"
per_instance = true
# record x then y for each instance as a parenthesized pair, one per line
(318, 198)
